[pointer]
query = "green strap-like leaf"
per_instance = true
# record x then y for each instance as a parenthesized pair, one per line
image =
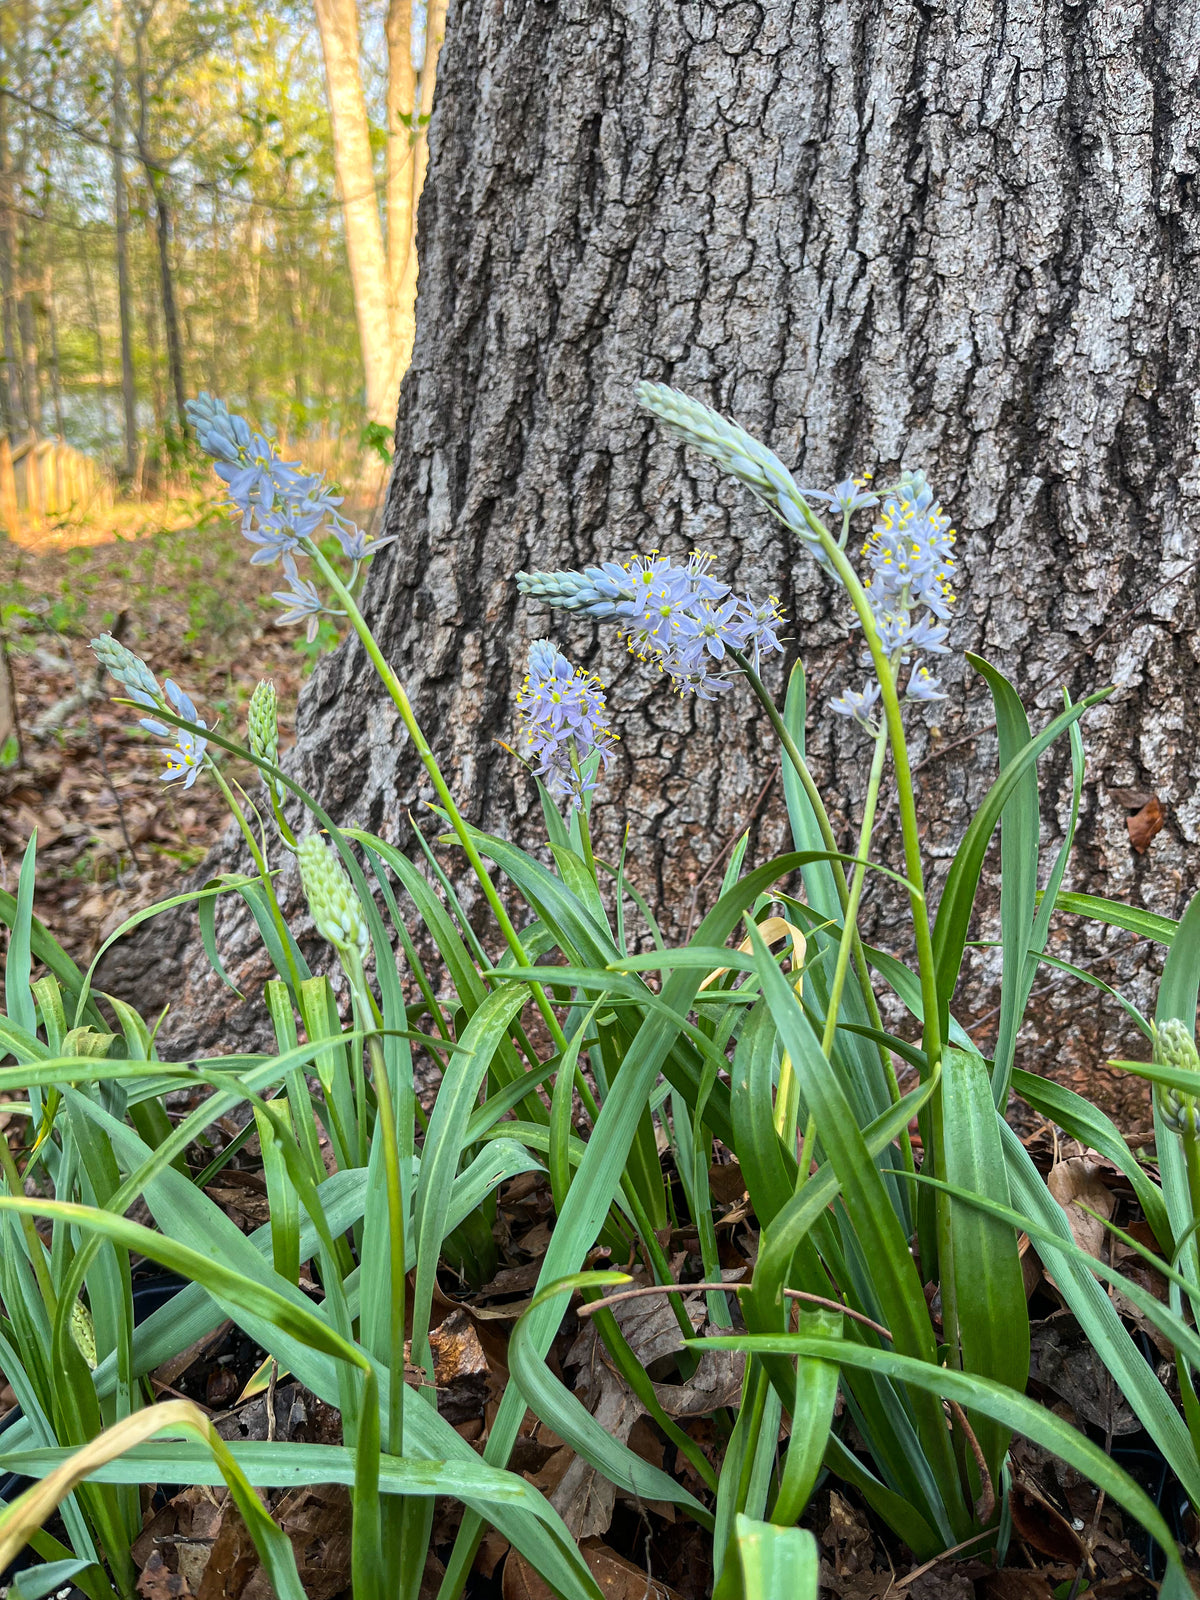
(1005, 1406)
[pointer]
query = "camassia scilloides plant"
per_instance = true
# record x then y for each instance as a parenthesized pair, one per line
(781, 1056)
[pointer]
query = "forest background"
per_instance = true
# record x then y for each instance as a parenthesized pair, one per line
(170, 218)
(193, 196)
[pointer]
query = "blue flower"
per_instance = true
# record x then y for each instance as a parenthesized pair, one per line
(273, 533)
(302, 600)
(922, 685)
(257, 476)
(909, 584)
(847, 497)
(560, 719)
(185, 758)
(678, 617)
(356, 544)
(858, 705)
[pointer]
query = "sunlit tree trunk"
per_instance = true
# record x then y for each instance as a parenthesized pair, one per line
(31, 372)
(55, 357)
(121, 232)
(10, 414)
(166, 278)
(156, 182)
(337, 21)
(402, 132)
(959, 237)
(413, 58)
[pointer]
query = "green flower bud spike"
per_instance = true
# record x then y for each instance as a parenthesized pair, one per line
(83, 1333)
(264, 723)
(331, 898)
(1175, 1046)
(262, 726)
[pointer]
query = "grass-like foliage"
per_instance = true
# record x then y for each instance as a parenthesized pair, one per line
(763, 1032)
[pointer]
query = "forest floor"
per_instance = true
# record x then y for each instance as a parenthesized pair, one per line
(173, 583)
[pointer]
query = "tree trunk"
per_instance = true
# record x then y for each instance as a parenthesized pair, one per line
(121, 222)
(402, 129)
(337, 21)
(60, 422)
(415, 89)
(27, 310)
(156, 181)
(166, 278)
(9, 387)
(962, 238)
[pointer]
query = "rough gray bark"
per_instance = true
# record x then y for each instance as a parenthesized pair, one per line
(962, 237)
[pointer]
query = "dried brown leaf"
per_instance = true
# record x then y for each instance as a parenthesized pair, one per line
(1149, 821)
(1041, 1525)
(1075, 1185)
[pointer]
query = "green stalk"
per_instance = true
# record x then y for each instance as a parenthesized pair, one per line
(1191, 1156)
(839, 877)
(906, 797)
(239, 816)
(385, 1126)
(856, 888)
(407, 715)
(33, 1242)
(907, 804)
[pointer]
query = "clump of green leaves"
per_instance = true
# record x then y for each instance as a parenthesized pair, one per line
(779, 1055)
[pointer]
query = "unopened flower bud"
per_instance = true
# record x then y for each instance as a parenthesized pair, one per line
(263, 729)
(1175, 1046)
(83, 1333)
(129, 670)
(331, 898)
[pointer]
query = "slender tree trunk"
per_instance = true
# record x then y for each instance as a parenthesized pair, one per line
(426, 81)
(963, 238)
(402, 100)
(31, 372)
(155, 364)
(89, 278)
(166, 279)
(156, 180)
(254, 243)
(121, 230)
(337, 21)
(8, 383)
(55, 361)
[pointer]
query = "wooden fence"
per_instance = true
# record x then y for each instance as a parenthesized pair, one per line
(44, 478)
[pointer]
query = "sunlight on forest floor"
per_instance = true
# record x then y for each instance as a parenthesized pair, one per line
(127, 519)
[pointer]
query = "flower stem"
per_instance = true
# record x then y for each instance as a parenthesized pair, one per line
(839, 877)
(385, 1124)
(910, 830)
(906, 796)
(407, 715)
(856, 888)
(239, 816)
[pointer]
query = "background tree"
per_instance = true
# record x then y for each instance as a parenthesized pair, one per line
(382, 263)
(168, 203)
(961, 238)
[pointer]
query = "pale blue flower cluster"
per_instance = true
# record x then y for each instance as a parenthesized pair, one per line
(185, 758)
(910, 583)
(281, 504)
(910, 588)
(678, 616)
(560, 721)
